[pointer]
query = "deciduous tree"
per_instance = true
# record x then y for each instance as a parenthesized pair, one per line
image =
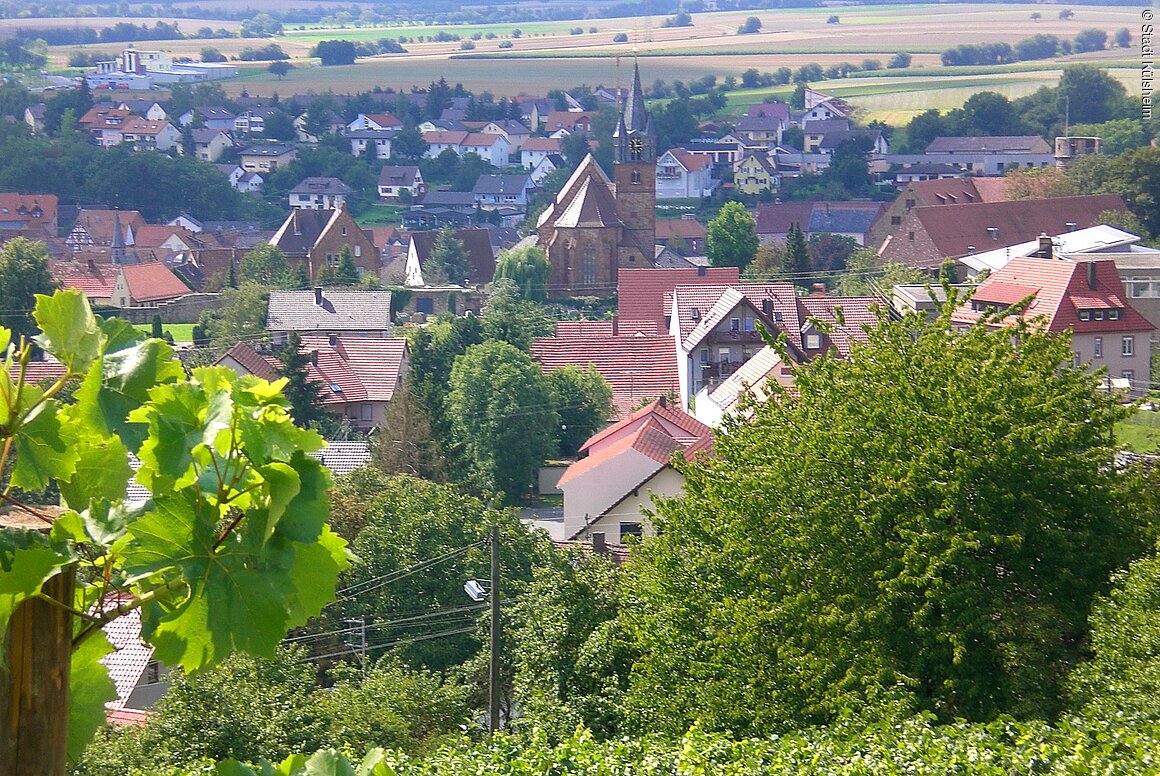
(583, 403)
(23, 274)
(731, 238)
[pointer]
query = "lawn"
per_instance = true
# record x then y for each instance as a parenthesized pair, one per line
(181, 332)
(1141, 432)
(382, 215)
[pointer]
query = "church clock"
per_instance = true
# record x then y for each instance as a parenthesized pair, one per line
(635, 149)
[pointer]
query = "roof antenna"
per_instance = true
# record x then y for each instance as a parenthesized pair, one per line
(1066, 114)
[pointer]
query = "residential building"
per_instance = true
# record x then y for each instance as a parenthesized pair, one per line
(872, 137)
(534, 149)
(394, 180)
(319, 193)
(684, 175)
(34, 116)
(686, 233)
(334, 124)
(105, 228)
(736, 395)
(823, 107)
(144, 135)
(267, 157)
(955, 190)
(761, 129)
(481, 258)
(146, 109)
(242, 179)
(756, 172)
(378, 139)
(515, 132)
(560, 123)
(102, 123)
(209, 117)
(28, 215)
(374, 121)
(1085, 298)
(929, 234)
(252, 121)
(608, 492)
(326, 311)
(209, 144)
(814, 131)
(95, 281)
(317, 237)
(851, 219)
(992, 155)
(495, 191)
(143, 285)
(545, 167)
(646, 294)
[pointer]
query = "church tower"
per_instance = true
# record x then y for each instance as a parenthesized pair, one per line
(635, 152)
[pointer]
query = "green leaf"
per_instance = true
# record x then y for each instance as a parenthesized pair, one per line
(232, 767)
(174, 417)
(68, 328)
(328, 762)
(90, 689)
(102, 470)
(43, 452)
(315, 574)
(120, 383)
(27, 562)
(307, 511)
(283, 484)
(119, 334)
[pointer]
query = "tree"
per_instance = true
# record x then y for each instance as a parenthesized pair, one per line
(1090, 40)
(279, 126)
(899, 60)
(279, 68)
(867, 275)
(448, 261)
(409, 144)
(1066, 13)
(795, 260)
(241, 317)
(847, 555)
(211, 54)
(509, 318)
(1039, 183)
(528, 268)
(990, 113)
(1122, 38)
(828, 253)
(335, 52)
(347, 272)
(731, 237)
(1092, 95)
(229, 553)
(303, 394)
(751, 25)
(406, 444)
(502, 414)
(583, 403)
(23, 274)
(266, 265)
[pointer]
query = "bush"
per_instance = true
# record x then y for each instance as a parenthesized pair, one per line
(505, 44)
(466, 45)
(210, 54)
(266, 53)
(576, 31)
(899, 60)
(832, 20)
(620, 37)
(682, 19)
(751, 25)
(1090, 40)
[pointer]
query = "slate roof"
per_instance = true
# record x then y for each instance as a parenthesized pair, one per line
(1061, 290)
(838, 217)
(502, 184)
(403, 175)
(1000, 144)
(634, 366)
(373, 134)
(215, 113)
(778, 110)
(343, 457)
(831, 140)
(477, 244)
(301, 230)
(460, 199)
(153, 282)
(341, 310)
(322, 185)
(760, 123)
(823, 126)
(640, 293)
(205, 135)
(267, 150)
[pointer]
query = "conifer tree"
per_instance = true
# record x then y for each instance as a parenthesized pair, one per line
(795, 261)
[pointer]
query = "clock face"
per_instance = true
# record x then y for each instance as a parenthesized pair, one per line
(636, 145)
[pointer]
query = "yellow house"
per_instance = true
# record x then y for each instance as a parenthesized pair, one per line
(755, 173)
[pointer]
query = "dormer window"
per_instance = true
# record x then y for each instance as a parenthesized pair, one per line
(813, 341)
(1085, 315)
(1113, 315)
(1098, 315)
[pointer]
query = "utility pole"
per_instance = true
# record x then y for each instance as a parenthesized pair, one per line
(359, 648)
(493, 662)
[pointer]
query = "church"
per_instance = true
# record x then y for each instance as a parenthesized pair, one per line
(595, 226)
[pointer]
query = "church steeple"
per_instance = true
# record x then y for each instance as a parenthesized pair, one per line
(635, 136)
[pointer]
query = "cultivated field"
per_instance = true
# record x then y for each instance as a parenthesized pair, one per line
(546, 56)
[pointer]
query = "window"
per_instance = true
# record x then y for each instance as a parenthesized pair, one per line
(1085, 315)
(895, 220)
(704, 355)
(366, 411)
(357, 251)
(813, 341)
(1143, 288)
(344, 231)
(734, 324)
(425, 305)
(331, 260)
(589, 267)
(1098, 347)
(1098, 315)
(1128, 346)
(747, 324)
(1128, 375)
(910, 235)
(1075, 360)
(1113, 315)
(629, 529)
(636, 176)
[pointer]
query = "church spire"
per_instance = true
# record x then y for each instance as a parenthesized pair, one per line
(635, 116)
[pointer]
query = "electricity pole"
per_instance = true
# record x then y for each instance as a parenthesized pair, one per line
(493, 662)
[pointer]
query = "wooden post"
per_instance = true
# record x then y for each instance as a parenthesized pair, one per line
(34, 682)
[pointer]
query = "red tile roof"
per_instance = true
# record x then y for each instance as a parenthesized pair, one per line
(691, 162)
(139, 126)
(22, 209)
(152, 282)
(95, 281)
(1061, 290)
(365, 368)
(635, 366)
(444, 137)
(679, 424)
(584, 328)
(39, 372)
(649, 438)
(684, 228)
(959, 191)
(858, 314)
(551, 145)
(384, 120)
(641, 292)
(250, 360)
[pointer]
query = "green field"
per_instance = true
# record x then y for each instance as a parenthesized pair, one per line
(382, 215)
(1140, 433)
(181, 332)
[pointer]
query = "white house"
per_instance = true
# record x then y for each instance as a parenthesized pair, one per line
(536, 149)
(683, 175)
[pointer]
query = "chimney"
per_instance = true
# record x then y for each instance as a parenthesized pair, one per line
(1091, 275)
(314, 357)
(92, 266)
(818, 289)
(332, 339)
(971, 250)
(318, 295)
(701, 271)
(1044, 251)
(599, 546)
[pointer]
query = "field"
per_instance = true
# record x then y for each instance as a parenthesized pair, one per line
(1140, 433)
(789, 38)
(181, 332)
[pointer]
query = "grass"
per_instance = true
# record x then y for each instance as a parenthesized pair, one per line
(181, 332)
(382, 215)
(1141, 432)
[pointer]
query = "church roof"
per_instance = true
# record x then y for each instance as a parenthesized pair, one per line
(635, 117)
(588, 170)
(593, 205)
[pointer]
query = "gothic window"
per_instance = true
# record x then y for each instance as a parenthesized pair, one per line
(589, 267)
(636, 176)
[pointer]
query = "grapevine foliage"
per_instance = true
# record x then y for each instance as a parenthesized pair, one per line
(231, 551)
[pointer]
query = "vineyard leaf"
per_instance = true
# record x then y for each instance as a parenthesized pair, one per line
(307, 512)
(90, 689)
(69, 329)
(283, 484)
(232, 767)
(120, 383)
(43, 452)
(328, 762)
(174, 417)
(102, 471)
(315, 574)
(27, 562)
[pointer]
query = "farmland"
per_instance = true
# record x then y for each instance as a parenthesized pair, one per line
(788, 38)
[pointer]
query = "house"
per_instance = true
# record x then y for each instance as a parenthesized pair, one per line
(319, 193)
(1078, 243)
(926, 171)
(144, 135)
(822, 107)
(34, 116)
(1085, 298)
(636, 358)
(646, 294)
(493, 149)
(559, 123)
(334, 124)
(481, 257)
(29, 215)
(992, 155)
(253, 121)
(374, 121)
(775, 109)
(534, 149)
(328, 311)
(144, 285)
(761, 129)
(682, 175)
(756, 172)
(610, 489)
(105, 227)
(851, 219)
(515, 132)
(929, 234)
(873, 137)
(686, 232)
(103, 124)
(267, 157)
(774, 219)
(209, 144)
(394, 180)
(814, 131)
(716, 327)
(357, 376)
(941, 191)
(316, 238)
(95, 280)
(241, 179)
(209, 117)
(545, 167)
(494, 191)
(723, 152)
(378, 139)
(735, 395)
(534, 110)
(138, 679)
